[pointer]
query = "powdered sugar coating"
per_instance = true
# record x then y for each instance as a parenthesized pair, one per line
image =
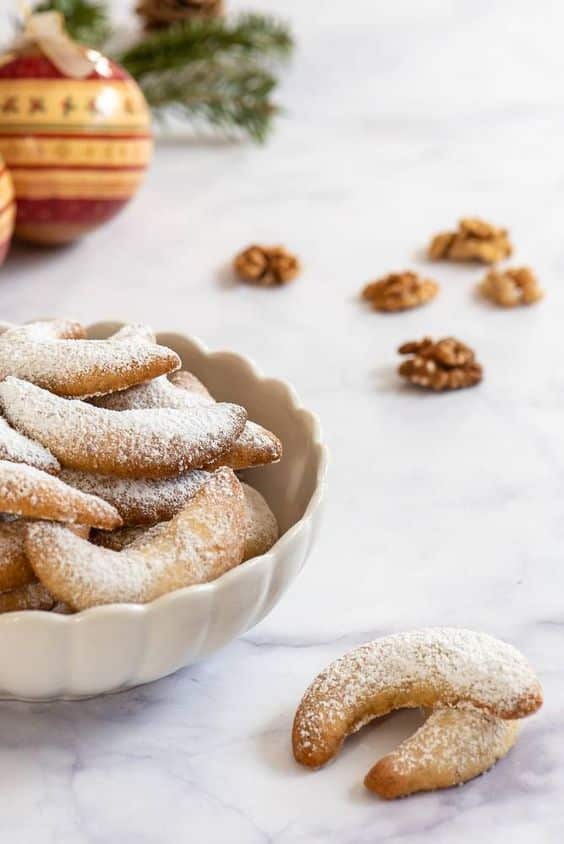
(140, 501)
(202, 542)
(26, 491)
(152, 394)
(134, 443)
(135, 331)
(17, 448)
(427, 667)
(450, 748)
(82, 367)
(46, 329)
(262, 527)
(254, 447)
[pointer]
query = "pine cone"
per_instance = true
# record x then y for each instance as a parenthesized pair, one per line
(474, 240)
(400, 291)
(446, 364)
(267, 266)
(158, 14)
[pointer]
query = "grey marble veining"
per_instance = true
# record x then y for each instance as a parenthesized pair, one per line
(441, 509)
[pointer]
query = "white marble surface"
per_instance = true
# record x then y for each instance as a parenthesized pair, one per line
(441, 509)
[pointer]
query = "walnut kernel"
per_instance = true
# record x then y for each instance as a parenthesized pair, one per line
(400, 291)
(511, 287)
(266, 266)
(446, 364)
(474, 240)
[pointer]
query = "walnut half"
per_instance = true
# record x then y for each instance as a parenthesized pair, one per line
(266, 266)
(474, 240)
(400, 291)
(446, 364)
(511, 287)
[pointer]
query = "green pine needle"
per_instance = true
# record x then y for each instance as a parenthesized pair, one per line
(86, 21)
(233, 97)
(200, 39)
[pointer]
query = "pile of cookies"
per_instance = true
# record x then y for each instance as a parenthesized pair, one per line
(117, 471)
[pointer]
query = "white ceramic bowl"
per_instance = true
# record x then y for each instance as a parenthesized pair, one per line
(106, 649)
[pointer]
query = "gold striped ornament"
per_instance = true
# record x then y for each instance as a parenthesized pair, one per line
(75, 132)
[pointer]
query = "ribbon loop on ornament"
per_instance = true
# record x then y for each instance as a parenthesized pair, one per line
(47, 31)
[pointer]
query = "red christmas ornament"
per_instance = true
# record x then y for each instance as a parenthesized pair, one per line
(74, 132)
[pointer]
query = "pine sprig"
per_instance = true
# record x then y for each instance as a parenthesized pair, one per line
(250, 35)
(215, 71)
(233, 97)
(86, 21)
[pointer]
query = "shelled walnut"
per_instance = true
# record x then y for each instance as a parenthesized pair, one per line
(446, 364)
(511, 287)
(400, 291)
(267, 266)
(474, 240)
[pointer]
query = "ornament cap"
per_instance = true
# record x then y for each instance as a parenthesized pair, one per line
(46, 30)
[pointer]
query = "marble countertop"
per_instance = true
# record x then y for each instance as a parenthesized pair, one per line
(442, 509)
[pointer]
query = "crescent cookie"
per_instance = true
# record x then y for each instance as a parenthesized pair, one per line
(133, 443)
(26, 491)
(262, 527)
(19, 449)
(15, 570)
(428, 668)
(202, 542)
(81, 368)
(46, 329)
(450, 748)
(254, 447)
(140, 501)
(152, 394)
(31, 597)
(135, 331)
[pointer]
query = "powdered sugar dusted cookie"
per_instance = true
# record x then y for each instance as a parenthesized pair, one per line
(432, 667)
(46, 329)
(17, 448)
(450, 748)
(15, 570)
(134, 443)
(159, 392)
(32, 597)
(262, 527)
(25, 491)
(135, 331)
(82, 367)
(140, 501)
(254, 447)
(202, 542)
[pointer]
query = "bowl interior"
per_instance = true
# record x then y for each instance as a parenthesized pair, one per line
(289, 485)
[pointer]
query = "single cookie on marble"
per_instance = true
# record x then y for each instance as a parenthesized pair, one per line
(26, 491)
(262, 527)
(32, 597)
(18, 448)
(432, 667)
(81, 368)
(450, 748)
(204, 540)
(134, 443)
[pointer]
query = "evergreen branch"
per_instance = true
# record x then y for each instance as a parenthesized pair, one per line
(86, 20)
(234, 97)
(203, 39)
